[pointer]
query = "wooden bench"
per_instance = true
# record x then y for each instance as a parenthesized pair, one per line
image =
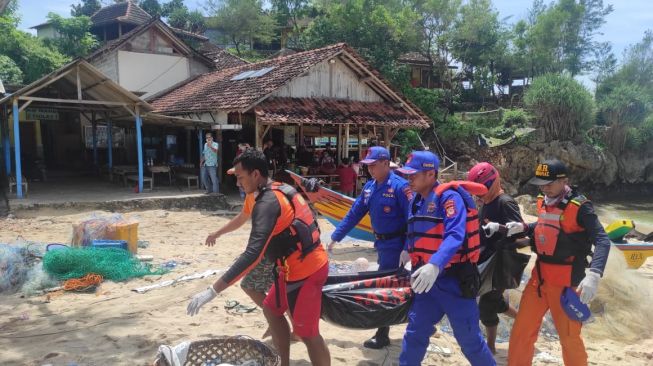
(189, 177)
(134, 178)
(12, 183)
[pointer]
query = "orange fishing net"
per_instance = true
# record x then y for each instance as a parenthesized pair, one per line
(84, 283)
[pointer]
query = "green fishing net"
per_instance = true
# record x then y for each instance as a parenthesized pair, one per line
(111, 263)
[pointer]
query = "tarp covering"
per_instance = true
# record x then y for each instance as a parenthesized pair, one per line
(367, 300)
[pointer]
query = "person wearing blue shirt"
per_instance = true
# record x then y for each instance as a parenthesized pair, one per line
(209, 165)
(444, 246)
(386, 198)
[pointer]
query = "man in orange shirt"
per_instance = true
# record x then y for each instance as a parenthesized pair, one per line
(285, 231)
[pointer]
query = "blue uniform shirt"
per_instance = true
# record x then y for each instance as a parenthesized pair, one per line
(387, 204)
(451, 208)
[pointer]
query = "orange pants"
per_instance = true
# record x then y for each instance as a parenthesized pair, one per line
(529, 320)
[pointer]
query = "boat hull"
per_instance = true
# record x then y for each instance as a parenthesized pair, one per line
(334, 207)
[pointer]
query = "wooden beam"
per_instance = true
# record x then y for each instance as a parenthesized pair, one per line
(74, 101)
(47, 83)
(22, 108)
(265, 131)
(130, 111)
(347, 140)
(360, 142)
(257, 136)
(393, 133)
(79, 85)
(382, 85)
(94, 85)
(386, 136)
(364, 79)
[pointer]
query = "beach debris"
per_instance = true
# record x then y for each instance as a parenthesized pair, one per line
(142, 244)
(432, 348)
(84, 284)
(145, 257)
(233, 306)
(20, 269)
(169, 264)
(190, 277)
(175, 356)
(546, 357)
(112, 264)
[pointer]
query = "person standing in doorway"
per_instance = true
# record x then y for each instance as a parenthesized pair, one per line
(209, 165)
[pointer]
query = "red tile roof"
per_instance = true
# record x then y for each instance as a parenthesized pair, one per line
(221, 58)
(216, 90)
(332, 111)
(414, 57)
(127, 12)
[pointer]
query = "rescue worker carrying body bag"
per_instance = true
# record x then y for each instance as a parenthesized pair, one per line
(444, 244)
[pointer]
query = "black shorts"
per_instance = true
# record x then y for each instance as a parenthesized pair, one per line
(491, 304)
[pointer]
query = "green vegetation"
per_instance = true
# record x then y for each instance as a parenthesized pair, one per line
(562, 106)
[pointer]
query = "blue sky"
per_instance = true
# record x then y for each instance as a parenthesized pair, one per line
(625, 25)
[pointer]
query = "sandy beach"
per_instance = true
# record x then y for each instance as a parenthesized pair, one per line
(116, 326)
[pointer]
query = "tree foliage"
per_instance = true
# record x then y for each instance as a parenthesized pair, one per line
(242, 22)
(74, 38)
(30, 54)
(10, 73)
(152, 7)
(380, 30)
(561, 105)
(85, 8)
(560, 36)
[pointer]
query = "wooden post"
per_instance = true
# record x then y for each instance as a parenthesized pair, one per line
(109, 144)
(386, 136)
(5, 140)
(257, 138)
(188, 149)
(360, 141)
(339, 145)
(94, 131)
(347, 140)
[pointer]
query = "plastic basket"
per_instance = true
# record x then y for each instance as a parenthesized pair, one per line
(102, 243)
(234, 350)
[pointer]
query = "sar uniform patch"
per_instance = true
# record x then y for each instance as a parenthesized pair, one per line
(450, 208)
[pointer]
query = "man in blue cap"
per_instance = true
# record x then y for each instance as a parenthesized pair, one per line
(386, 198)
(444, 246)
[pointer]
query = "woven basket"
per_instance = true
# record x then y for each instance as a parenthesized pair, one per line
(234, 350)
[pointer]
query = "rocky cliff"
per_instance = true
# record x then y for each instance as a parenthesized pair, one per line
(593, 169)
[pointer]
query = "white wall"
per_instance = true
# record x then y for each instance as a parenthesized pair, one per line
(326, 80)
(150, 73)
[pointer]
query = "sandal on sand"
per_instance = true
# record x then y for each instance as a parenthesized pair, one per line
(230, 304)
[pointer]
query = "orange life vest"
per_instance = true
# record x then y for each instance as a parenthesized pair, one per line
(426, 230)
(561, 245)
(302, 234)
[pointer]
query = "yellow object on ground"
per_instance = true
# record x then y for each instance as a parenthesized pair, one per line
(127, 231)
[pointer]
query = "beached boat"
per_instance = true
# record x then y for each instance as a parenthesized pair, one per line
(635, 251)
(334, 206)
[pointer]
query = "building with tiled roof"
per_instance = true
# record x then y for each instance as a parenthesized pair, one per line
(125, 12)
(150, 58)
(330, 91)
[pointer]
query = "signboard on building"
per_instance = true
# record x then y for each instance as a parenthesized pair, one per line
(42, 114)
(101, 131)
